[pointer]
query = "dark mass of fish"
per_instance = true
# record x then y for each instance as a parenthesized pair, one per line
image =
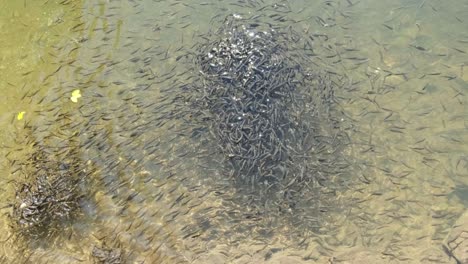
(269, 106)
(49, 188)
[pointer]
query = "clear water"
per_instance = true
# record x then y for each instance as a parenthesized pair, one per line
(153, 192)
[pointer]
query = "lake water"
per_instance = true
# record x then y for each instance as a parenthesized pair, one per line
(153, 185)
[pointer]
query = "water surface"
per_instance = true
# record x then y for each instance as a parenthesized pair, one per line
(163, 199)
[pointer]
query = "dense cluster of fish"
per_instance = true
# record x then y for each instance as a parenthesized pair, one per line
(268, 107)
(48, 188)
(107, 255)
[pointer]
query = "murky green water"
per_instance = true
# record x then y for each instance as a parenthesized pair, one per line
(162, 197)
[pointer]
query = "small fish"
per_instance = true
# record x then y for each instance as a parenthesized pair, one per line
(418, 47)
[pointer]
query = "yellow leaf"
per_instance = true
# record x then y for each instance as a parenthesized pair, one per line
(75, 95)
(20, 115)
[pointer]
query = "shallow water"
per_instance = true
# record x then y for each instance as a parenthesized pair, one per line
(163, 198)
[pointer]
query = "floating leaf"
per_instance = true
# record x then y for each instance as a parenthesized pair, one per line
(75, 95)
(20, 115)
